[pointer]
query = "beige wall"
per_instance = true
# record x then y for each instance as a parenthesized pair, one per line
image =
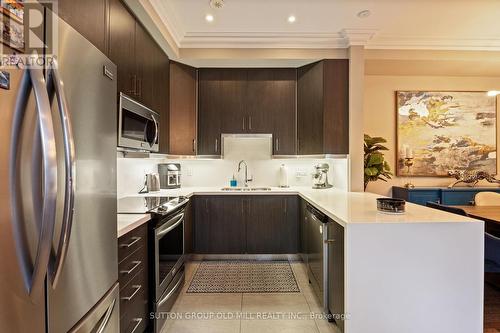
(380, 113)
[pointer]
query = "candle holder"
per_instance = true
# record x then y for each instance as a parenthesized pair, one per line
(408, 163)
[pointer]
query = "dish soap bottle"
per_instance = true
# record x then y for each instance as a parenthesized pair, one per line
(233, 182)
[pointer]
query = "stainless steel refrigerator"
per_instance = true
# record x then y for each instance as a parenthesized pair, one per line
(58, 245)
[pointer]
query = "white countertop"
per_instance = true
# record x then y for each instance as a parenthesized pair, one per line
(343, 207)
(128, 222)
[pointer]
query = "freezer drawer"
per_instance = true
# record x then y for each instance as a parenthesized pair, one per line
(104, 317)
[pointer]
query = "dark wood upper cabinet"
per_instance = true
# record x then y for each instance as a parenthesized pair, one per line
(284, 111)
(161, 95)
(210, 111)
(183, 88)
(145, 48)
(122, 46)
(323, 107)
(88, 17)
(232, 98)
(135, 53)
(261, 100)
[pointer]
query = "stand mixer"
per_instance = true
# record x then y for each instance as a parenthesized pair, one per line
(320, 176)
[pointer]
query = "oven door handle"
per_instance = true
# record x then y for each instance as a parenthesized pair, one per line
(168, 226)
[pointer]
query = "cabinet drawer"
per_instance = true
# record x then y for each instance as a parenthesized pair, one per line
(130, 242)
(134, 292)
(128, 268)
(135, 320)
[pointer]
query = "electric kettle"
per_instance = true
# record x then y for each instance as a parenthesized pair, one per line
(151, 183)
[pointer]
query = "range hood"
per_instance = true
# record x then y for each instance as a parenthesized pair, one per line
(246, 146)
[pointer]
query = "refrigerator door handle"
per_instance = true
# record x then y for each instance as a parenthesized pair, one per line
(107, 315)
(55, 86)
(34, 276)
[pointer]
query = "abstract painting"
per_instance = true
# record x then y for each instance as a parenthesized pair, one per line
(446, 130)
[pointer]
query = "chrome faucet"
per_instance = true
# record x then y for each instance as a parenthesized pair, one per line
(246, 172)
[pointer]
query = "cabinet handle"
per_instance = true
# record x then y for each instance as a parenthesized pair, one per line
(129, 298)
(136, 264)
(140, 87)
(243, 125)
(194, 145)
(134, 240)
(277, 145)
(133, 85)
(329, 241)
(216, 145)
(250, 122)
(139, 321)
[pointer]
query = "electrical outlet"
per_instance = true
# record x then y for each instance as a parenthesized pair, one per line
(300, 173)
(189, 172)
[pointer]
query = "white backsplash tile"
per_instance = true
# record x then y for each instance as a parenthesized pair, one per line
(204, 172)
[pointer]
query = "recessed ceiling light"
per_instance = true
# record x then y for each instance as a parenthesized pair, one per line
(291, 19)
(364, 14)
(217, 4)
(209, 18)
(493, 93)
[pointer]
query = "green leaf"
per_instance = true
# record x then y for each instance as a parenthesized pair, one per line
(371, 172)
(375, 159)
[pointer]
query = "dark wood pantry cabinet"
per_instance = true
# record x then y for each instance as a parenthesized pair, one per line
(122, 46)
(323, 107)
(89, 18)
(183, 94)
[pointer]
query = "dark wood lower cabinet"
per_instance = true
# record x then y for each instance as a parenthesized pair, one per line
(133, 279)
(233, 224)
(272, 224)
(219, 225)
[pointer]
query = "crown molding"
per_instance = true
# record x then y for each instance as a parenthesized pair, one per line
(355, 37)
(171, 22)
(369, 38)
(236, 39)
(385, 41)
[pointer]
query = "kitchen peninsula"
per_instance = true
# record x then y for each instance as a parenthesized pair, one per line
(414, 265)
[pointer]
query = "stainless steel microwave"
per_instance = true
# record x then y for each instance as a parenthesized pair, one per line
(138, 126)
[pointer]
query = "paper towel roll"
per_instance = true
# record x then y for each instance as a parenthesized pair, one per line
(283, 176)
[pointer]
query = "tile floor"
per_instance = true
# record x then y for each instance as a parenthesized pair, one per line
(247, 312)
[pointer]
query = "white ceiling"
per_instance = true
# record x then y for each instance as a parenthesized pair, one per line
(393, 24)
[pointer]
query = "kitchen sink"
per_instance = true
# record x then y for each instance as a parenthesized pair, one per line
(245, 189)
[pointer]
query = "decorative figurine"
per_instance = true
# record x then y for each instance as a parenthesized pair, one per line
(471, 177)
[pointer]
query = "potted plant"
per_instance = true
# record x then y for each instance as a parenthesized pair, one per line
(376, 167)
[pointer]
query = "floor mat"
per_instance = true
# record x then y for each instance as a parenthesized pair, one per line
(244, 276)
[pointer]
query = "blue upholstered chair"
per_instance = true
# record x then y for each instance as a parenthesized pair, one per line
(491, 253)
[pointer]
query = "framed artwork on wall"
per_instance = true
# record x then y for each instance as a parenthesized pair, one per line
(11, 24)
(444, 130)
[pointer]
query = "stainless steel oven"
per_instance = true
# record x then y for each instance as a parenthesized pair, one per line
(169, 249)
(138, 126)
(169, 259)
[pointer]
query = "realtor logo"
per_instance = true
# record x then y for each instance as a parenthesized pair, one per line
(28, 32)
